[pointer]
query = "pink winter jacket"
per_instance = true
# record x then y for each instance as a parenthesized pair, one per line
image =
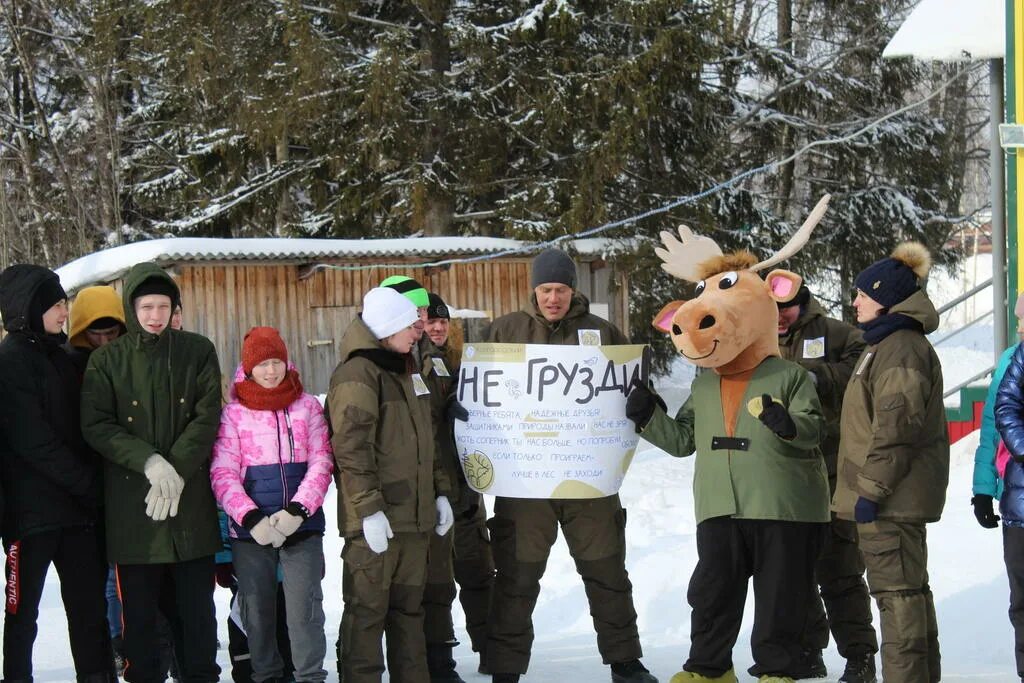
(255, 465)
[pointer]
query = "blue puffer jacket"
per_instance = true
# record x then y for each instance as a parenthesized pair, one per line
(1009, 413)
(986, 478)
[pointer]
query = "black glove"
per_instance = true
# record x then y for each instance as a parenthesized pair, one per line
(984, 511)
(454, 411)
(775, 417)
(640, 405)
(865, 511)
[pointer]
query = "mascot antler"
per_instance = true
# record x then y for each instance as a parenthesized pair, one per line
(681, 257)
(799, 238)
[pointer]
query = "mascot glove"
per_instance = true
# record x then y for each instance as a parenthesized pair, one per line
(264, 533)
(286, 522)
(445, 516)
(984, 511)
(377, 531)
(163, 477)
(865, 511)
(775, 417)
(640, 405)
(159, 508)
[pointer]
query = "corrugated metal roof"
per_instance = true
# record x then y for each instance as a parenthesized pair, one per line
(111, 264)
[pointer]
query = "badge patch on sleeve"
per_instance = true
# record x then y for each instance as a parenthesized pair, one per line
(814, 348)
(418, 385)
(589, 337)
(440, 369)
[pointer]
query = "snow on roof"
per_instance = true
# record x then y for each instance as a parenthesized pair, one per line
(111, 264)
(952, 31)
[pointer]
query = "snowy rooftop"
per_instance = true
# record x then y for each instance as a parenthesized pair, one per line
(110, 264)
(952, 31)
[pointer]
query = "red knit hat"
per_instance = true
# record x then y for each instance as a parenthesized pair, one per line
(261, 343)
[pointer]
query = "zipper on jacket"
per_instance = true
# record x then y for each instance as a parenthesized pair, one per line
(280, 463)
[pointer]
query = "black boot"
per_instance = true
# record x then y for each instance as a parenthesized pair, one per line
(441, 665)
(810, 665)
(505, 678)
(631, 672)
(860, 669)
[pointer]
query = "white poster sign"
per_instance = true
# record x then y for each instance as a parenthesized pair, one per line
(547, 421)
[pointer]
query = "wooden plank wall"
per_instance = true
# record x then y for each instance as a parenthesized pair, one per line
(222, 301)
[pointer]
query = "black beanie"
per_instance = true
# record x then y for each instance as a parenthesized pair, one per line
(802, 298)
(437, 308)
(156, 285)
(553, 265)
(888, 281)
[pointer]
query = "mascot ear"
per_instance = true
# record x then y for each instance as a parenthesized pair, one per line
(663, 321)
(783, 285)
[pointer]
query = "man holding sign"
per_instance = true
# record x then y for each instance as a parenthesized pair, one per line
(524, 529)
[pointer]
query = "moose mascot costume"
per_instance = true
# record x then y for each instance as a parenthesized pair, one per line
(760, 485)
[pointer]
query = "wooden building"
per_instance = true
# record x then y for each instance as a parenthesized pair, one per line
(312, 289)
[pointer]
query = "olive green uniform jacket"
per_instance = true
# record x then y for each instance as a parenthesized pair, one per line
(829, 348)
(772, 478)
(530, 327)
(143, 394)
(894, 446)
(383, 441)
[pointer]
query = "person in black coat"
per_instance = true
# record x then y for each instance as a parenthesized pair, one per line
(51, 479)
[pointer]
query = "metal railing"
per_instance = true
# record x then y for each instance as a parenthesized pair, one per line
(984, 373)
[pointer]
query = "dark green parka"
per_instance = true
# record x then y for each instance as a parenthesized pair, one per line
(529, 326)
(383, 439)
(894, 446)
(143, 394)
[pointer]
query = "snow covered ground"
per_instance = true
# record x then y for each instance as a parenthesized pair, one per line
(966, 568)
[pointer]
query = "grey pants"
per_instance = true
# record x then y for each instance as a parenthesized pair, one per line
(302, 562)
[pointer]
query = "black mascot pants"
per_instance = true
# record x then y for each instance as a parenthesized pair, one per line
(780, 556)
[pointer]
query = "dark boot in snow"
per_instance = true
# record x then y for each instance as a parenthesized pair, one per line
(810, 665)
(860, 669)
(631, 672)
(441, 665)
(505, 678)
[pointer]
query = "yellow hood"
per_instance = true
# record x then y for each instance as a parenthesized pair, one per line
(91, 304)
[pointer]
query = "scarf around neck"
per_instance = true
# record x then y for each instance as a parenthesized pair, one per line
(881, 327)
(253, 396)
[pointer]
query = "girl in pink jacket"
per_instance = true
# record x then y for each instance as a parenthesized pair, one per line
(271, 469)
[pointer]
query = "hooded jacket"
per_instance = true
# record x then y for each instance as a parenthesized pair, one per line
(383, 438)
(266, 459)
(529, 326)
(51, 478)
(91, 304)
(148, 393)
(1009, 417)
(829, 349)
(894, 446)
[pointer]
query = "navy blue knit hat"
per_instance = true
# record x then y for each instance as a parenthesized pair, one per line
(893, 279)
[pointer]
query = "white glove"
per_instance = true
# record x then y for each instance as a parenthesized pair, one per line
(445, 516)
(285, 522)
(163, 477)
(264, 533)
(377, 531)
(159, 508)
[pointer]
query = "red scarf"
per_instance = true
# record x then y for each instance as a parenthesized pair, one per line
(255, 397)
